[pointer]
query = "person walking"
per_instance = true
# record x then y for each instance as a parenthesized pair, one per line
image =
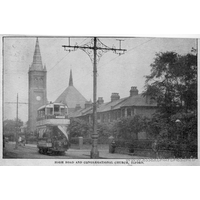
(155, 148)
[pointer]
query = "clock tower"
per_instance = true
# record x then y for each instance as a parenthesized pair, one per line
(37, 87)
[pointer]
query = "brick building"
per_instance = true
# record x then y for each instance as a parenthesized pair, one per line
(116, 108)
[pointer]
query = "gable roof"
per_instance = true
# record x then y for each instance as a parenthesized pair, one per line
(136, 100)
(71, 97)
(110, 105)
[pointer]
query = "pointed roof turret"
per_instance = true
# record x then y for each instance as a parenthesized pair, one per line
(70, 79)
(37, 59)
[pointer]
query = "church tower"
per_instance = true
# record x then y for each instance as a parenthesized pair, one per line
(37, 87)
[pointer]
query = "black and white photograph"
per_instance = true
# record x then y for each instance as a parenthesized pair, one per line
(99, 100)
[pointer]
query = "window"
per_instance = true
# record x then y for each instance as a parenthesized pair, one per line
(49, 111)
(56, 108)
(128, 111)
(63, 111)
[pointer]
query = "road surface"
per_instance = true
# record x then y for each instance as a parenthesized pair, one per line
(31, 152)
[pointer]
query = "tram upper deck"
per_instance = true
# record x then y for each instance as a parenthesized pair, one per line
(52, 113)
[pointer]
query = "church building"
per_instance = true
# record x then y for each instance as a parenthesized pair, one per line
(72, 97)
(37, 93)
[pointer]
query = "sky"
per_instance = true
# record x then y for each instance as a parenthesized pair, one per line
(115, 73)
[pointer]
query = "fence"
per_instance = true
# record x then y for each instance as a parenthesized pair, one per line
(165, 149)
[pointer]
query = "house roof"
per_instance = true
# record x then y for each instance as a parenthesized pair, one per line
(82, 111)
(136, 100)
(110, 105)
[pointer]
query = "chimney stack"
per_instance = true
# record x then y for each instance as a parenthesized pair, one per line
(100, 100)
(115, 96)
(133, 91)
(88, 104)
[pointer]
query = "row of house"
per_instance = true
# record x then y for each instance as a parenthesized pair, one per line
(116, 108)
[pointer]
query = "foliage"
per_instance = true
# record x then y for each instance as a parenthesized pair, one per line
(74, 140)
(173, 82)
(105, 129)
(79, 128)
(10, 126)
(147, 144)
(82, 128)
(31, 139)
(129, 128)
(139, 144)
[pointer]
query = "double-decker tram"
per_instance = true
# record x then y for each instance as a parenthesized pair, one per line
(52, 129)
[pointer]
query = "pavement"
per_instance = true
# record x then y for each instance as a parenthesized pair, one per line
(85, 153)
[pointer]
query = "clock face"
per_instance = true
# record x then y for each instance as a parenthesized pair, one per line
(38, 98)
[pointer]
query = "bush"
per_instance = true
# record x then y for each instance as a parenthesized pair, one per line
(79, 128)
(31, 139)
(128, 128)
(147, 144)
(87, 141)
(74, 140)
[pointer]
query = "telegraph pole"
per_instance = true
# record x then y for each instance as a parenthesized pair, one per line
(17, 119)
(17, 124)
(94, 49)
(94, 151)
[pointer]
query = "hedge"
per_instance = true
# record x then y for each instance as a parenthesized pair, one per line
(147, 144)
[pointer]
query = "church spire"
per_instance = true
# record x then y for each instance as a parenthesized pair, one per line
(70, 79)
(37, 59)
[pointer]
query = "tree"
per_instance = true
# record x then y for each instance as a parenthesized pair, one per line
(79, 128)
(129, 128)
(137, 124)
(10, 126)
(173, 84)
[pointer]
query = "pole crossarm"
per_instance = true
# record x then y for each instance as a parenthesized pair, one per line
(88, 48)
(16, 103)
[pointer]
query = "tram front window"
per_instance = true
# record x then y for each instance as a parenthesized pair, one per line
(49, 111)
(62, 111)
(56, 108)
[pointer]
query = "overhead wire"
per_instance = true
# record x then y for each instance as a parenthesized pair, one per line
(60, 61)
(108, 61)
(127, 51)
(63, 57)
